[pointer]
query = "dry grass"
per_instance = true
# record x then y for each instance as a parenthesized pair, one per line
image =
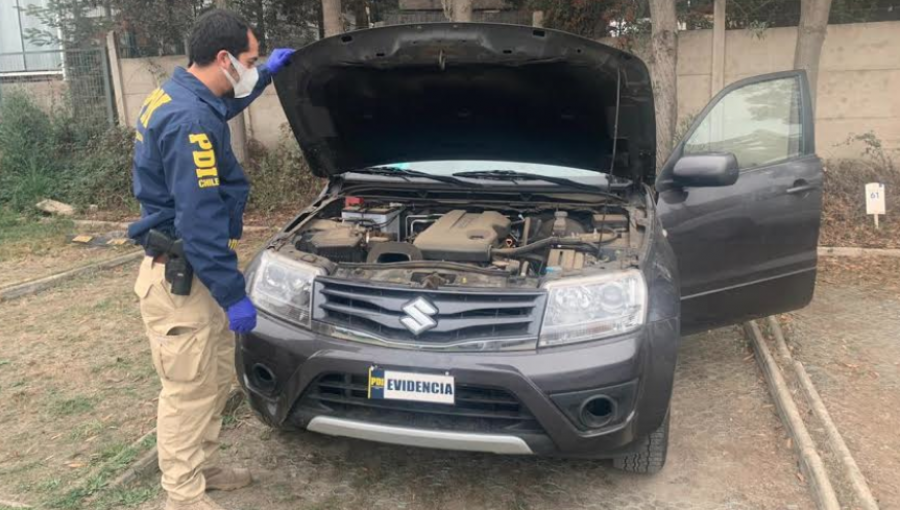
(77, 388)
(76, 380)
(875, 273)
(844, 218)
(30, 249)
(22, 237)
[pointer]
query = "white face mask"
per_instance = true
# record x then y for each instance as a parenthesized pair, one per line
(247, 78)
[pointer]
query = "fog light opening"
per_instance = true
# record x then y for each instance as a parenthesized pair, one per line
(597, 411)
(263, 377)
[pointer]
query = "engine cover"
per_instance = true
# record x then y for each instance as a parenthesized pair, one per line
(336, 242)
(464, 237)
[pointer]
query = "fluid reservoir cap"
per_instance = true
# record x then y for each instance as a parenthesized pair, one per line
(560, 224)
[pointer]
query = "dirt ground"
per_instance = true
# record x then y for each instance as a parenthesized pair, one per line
(78, 387)
(33, 251)
(41, 250)
(65, 258)
(848, 341)
(728, 451)
(76, 384)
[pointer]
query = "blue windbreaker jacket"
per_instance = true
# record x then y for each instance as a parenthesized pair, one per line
(188, 181)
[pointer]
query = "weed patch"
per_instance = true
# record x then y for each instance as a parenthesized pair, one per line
(279, 178)
(86, 430)
(50, 156)
(48, 485)
(39, 149)
(126, 497)
(102, 173)
(22, 236)
(71, 406)
(117, 458)
(28, 163)
(844, 218)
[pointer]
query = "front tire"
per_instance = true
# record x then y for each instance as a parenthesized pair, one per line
(650, 455)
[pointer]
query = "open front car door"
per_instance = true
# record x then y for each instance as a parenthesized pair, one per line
(740, 200)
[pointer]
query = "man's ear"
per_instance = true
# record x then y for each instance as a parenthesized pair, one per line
(222, 59)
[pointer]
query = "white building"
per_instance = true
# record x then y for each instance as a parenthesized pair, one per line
(18, 55)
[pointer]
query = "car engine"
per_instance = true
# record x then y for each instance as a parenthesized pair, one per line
(368, 238)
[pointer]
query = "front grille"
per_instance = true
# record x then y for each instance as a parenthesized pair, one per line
(462, 314)
(477, 409)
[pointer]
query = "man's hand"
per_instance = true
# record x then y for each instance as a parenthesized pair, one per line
(242, 316)
(279, 58)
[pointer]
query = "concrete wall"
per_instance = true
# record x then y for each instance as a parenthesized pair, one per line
(435, 5)
(515, 17)
(859, 77)
(45, 91)
(140, 76)
(859, 81)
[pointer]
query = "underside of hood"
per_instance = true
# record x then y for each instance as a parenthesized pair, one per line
(470, 91)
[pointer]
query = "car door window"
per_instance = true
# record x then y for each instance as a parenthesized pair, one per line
(760, 123)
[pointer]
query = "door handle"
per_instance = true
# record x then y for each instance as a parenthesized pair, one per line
(800, 187)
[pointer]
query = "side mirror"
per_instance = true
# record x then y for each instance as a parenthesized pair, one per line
(706, 170)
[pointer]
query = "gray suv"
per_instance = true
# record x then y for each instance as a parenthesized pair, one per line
(494, 264)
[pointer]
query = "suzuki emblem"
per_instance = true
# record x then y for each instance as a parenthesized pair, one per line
(419, 316)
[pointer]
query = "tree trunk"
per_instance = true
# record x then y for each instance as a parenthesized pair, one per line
(458, 10)
(360, 14)
(331, 14)
(664, 58)
(463, 11)
(717, 82)
(261, 32)
(810, 38)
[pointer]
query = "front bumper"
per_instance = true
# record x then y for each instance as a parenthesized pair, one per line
(637, 368)
(426, 438)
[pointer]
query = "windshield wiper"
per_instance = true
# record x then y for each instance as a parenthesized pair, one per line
(512, 175)
(393, 171)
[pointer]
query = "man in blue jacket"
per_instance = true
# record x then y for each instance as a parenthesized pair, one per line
(193, 190)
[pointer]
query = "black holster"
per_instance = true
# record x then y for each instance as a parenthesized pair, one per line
(179, 272)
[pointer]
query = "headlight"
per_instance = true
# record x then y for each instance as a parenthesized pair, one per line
(283, 287)
(580, 309)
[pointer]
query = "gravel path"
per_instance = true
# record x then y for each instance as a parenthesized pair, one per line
(848, 339)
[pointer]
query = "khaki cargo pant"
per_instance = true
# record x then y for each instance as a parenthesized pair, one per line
(193, 353)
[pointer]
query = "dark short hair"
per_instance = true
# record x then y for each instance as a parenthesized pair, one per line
(218, 30)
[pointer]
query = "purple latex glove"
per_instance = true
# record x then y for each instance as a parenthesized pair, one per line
(242, 316)
(279, 58)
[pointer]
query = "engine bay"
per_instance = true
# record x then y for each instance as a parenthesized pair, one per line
(434, 245)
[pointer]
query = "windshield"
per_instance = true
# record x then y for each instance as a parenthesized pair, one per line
(456, 166)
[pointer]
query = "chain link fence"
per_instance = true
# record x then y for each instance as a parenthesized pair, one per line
(786, 13)
(515, 17)
(74, 82)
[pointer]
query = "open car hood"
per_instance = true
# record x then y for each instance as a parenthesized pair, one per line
(450, 91)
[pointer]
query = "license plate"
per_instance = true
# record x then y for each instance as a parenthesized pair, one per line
(392, 385)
